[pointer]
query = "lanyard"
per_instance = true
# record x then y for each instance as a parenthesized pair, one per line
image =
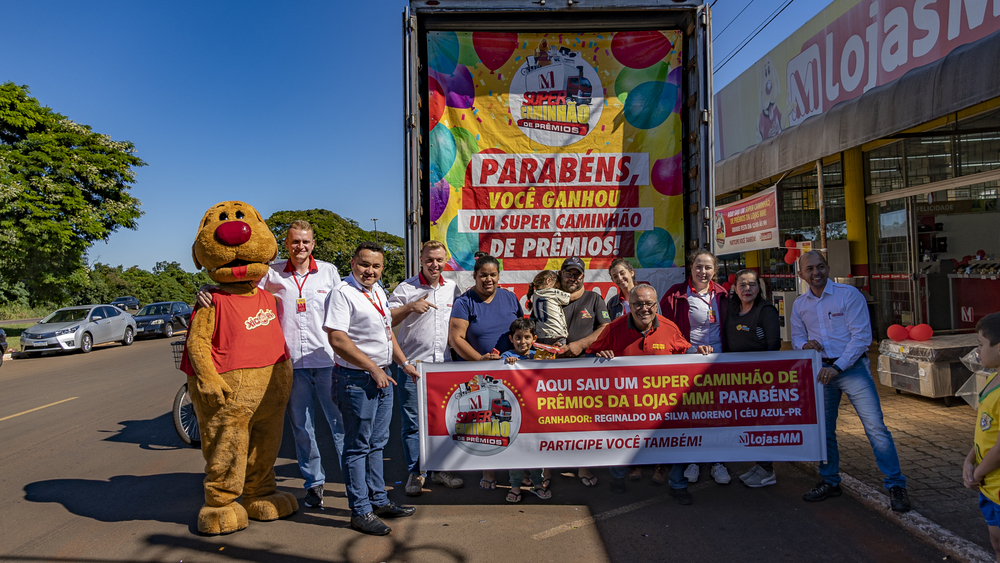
(711, 296)
(378, 307)
(295, 276)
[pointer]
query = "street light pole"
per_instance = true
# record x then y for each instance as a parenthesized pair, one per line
(375, 222)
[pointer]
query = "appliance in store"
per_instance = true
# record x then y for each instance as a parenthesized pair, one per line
(783, 301)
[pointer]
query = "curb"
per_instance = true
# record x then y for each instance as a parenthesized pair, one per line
(913, 522)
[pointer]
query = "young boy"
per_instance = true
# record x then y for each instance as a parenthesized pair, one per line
(522, 336)
(547, 302)
(981, 465)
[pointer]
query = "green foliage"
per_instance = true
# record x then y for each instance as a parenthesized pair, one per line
(336, 239)
(62, 188)
(167, 282)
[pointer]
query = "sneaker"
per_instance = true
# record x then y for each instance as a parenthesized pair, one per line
(393, 510)
(758, 477)
(692, 473)
(369, 524)
(414, 485)
(448, 480)
(314, 497)
(682, 496)
(822, 491)
(899, 499)
(720, 474)
(618, 486)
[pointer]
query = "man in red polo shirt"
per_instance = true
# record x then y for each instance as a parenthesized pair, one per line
(643, 332)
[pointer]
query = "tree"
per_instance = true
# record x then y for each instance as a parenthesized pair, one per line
(62, 188)
(336, 239)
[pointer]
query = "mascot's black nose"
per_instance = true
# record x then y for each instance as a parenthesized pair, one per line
(233, 233)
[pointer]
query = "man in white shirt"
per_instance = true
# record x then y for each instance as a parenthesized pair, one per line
(359, 325)
(832, 318)
(303, 284)
(422, 305)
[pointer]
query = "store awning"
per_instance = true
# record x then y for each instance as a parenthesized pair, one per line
(969, 75)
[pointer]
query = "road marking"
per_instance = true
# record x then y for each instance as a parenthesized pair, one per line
(38, 408)
(605, 515)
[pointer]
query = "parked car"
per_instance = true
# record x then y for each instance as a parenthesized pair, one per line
(162, 318)
(125, 303)
(79, 328)
(3, 345)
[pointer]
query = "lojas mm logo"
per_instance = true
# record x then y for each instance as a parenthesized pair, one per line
(483, 416)
(556, 97)
(771, 438)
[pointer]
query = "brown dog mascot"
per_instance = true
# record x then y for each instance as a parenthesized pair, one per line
(241, 373)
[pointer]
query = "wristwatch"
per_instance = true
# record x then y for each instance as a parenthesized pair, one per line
(406, 363)
(836, 367)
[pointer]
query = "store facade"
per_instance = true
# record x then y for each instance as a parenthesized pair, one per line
(898, 103)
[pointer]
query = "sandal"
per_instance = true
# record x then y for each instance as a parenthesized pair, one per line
(589, 481)
(514, 496)
(541, 492)
(487, 485)
(546, 483)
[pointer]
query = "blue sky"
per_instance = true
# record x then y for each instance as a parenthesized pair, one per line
(291, 105)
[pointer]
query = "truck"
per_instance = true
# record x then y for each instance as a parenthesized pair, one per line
(536, 130)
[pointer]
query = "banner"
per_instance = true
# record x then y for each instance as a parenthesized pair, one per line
(748, 224)
(544, 146)
(593, 412)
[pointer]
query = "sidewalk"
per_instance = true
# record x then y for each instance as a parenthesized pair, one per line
(932, 441)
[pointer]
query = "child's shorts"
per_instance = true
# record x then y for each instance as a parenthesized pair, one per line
(990, 510)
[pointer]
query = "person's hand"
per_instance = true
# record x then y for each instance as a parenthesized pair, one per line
(205, 295)
(813, 345)
(705, 349)
(606, 354)
(411, 370)
(421, 306)
(571, 350)
(213, 389)
(969, 475)
(826, 374)
(489, 357)
(383, 379)
(511, 360)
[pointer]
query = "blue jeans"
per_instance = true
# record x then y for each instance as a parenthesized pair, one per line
(409, 420)
(367, 412)
(308, 385)
(857, 383)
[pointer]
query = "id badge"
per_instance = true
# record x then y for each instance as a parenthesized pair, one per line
(300, 305)
(711, 316)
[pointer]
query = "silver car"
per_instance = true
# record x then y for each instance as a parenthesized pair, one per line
(79, 328)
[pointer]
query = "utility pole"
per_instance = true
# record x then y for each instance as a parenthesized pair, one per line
(375, 222)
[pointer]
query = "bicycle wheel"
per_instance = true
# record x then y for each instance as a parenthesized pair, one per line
(185, 421)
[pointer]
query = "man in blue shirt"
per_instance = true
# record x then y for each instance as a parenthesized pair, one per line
(832, 318)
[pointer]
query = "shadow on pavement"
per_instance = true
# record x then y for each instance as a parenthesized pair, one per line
(153, 434)
(172, 497)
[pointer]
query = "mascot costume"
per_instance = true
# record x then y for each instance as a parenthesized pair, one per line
(240, 372)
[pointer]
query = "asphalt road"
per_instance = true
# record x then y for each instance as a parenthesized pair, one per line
(91, 470)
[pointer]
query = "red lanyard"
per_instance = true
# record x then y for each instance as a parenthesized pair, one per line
(378, 307)
(711, 296)
(295, 276)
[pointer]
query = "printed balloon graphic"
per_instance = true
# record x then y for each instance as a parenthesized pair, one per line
(439, 199)
(649, 104)
(666, 175)
(465, 147)
(462, 246)
(494, 49)
(435, 102)
(466, 50)
(442, 152)
(675, 78)
(459, 91)
(640, 49)
(629, 79)
(442, 50)
(655, 249)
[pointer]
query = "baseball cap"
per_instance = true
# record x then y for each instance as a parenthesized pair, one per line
(573, 262)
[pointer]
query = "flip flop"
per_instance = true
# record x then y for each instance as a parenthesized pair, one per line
(487, 485)
(589, 481)
(541, 492)
(546, 483)
(514, 496)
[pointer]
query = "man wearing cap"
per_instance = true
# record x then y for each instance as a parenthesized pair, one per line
(359, 326)
(303, 284)
(586, 317)
(421, 307)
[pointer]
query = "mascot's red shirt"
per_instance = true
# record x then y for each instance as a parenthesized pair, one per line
(247, 334)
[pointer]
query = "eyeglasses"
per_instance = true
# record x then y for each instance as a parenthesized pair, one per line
(639, 305)
(572, 274)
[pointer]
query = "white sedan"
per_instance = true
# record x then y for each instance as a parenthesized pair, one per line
(79, 328)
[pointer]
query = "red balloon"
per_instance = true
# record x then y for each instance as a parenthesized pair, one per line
(791, 256)
(921, 332)
(494, 48)
(435, 102)
(789, 244)
(908, 329)
(731, 278)
(640, 49)
(728, 286)
(980, 254)
(897, 333)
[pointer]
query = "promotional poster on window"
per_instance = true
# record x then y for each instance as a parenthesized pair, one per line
(548, 145)
(749, 224)
(593, 412)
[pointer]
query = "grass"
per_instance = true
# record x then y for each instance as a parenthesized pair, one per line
(14, 334)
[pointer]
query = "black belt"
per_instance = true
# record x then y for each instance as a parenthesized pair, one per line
(830, 361)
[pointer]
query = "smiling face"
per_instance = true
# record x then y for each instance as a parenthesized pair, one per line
(234, 244)
(300, 245)
(814, 270)
(487, 277)
(522, 341)
(702, 271)
(432, 261)
(747, 288)
(367, 267)
(643, 306)
(623, 277)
